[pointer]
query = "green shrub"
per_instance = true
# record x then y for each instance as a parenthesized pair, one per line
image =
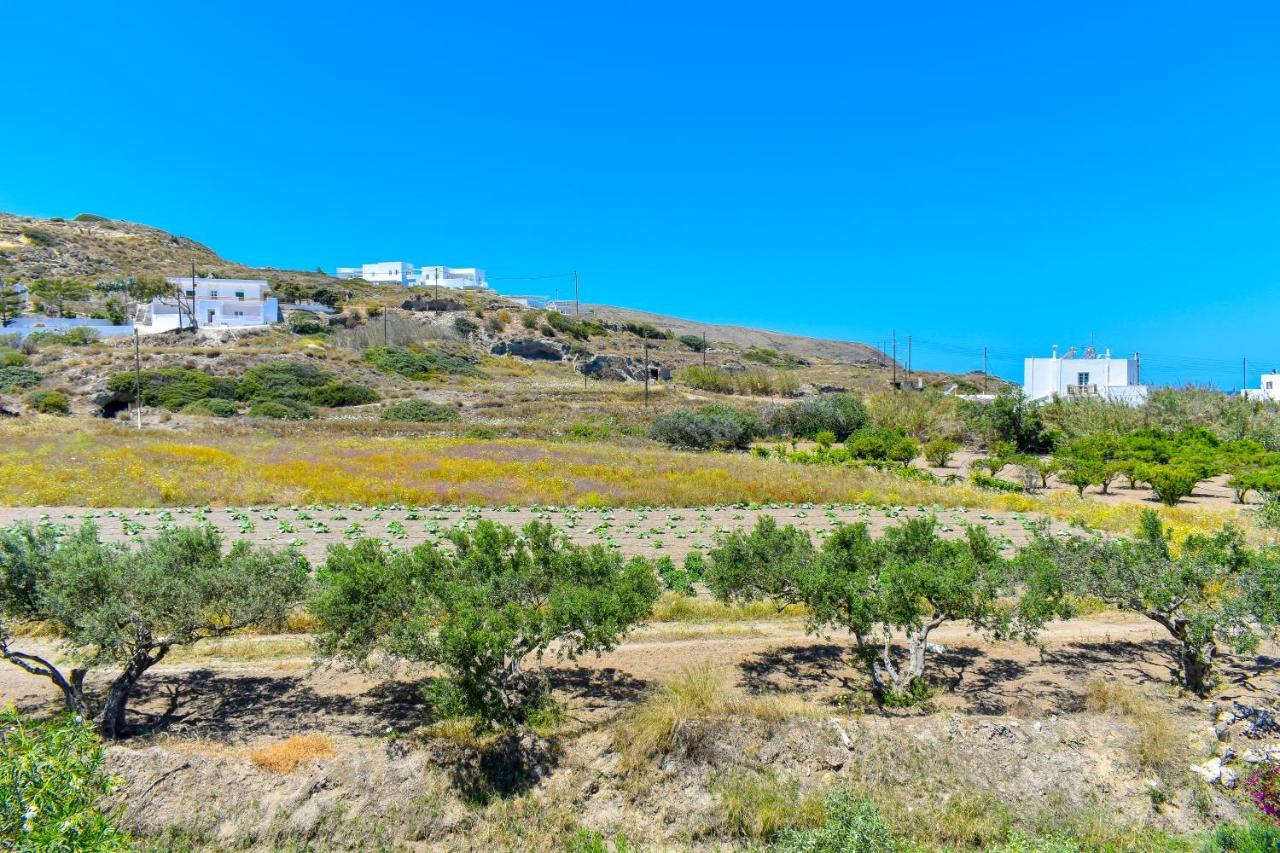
(282, 380)
(420, 411)
(53, 782)
(986, 481)
(285, 410)
(174, 388)
(694, 342)
(13, 359)
(47, 401)
(17, 378)
(571, 327)
(1170, 483)
(647, 330)
(842, 414)
(306, 323)
(74, 337)
(754, 381)
(423, 363)
(709, 428)
(212, 407)
(529, 319)
(334, 395)
(465, 326)
(1256, 836)
(882, 445)
(851, 825)
(89, 217)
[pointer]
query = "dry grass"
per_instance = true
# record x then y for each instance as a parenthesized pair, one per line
(657, 725)
(241, 649)
(757, 806)
(674, 607)
(1159, 745)
(287, 755)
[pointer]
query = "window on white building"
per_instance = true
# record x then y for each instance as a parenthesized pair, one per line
(1268, 384)
(1082, 379)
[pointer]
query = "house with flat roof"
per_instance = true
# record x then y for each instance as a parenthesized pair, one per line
(1088, 375)
(212, 302)
(407, 275)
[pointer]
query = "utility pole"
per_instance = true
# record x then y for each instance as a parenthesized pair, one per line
(1137, 366)
(1244, 374)
(908, 356)
(704, 348)
(576, 308)
(984, 370)
(894, 334)
(193, 299)
(646, 374)
(137, 375)
(385, 341)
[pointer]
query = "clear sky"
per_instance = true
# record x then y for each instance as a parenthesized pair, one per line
(1009, 174)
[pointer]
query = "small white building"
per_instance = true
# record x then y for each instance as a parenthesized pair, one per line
(214, 302)
(471, 278)
(383, 272)
(1270, 389)
(405, 274)
(1089, 375)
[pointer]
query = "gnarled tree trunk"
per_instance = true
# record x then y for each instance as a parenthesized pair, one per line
(111, 723)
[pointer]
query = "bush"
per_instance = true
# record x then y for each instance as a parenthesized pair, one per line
(212, 407)
(306, 323)
(13, 359)
(851, 825)
(694, 342)
(282, 380)
(420, 411)
(841, 414)
(422, 363)
(1252, 837)
(53, 781)
(16, 378)
(986, 481)
(46, 401)
(755, 381)
(529, 319)
(710, 428)
(1170, 483)
(284, 410)
(74, 337)
(173, 388)
(334, 395)
(89, 217)
(1263, 787)
(881, 445)
(465, 326)
(939, 450)
(580, 330)
(647, 330)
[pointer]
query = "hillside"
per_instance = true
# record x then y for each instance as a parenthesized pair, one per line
(93, 248)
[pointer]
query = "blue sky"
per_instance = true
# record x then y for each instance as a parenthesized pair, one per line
(1004, 174)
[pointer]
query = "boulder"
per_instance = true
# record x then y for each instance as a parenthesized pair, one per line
(420, 303)
(107, 403)
(532, 348)
(620, 368)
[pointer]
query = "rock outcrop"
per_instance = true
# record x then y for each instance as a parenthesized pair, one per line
(533, 348)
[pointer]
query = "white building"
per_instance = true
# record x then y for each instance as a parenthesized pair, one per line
(1071, 376)
(1270, 389)
(399, 272)
(383, 272)
(215, 302)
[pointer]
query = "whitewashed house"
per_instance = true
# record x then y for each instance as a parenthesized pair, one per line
(405, 274)
(213, 302)
(1269, 390)
(1086, 376)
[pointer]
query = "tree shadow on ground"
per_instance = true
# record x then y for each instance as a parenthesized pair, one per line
(220, 705)
(800, 668)
(596, 688)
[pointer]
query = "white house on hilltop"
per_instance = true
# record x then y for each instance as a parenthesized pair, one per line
(1270, 389)
(399, 272)
(1090, 375)
(214, 302)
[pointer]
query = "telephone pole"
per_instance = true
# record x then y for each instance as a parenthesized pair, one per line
(385, 341)
(984, 370)
(704, 348)
(646, 374)
(137, 375)
(908, 356)
(894, 335)
(577, 309)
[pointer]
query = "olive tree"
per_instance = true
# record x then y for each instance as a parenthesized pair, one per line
(480, 608)
(910, 581)
(1210, 590)
(125, 607)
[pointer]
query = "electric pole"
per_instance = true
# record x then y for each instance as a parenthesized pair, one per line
(576, 308)
(984, 370)
(137, 375)
(894, 335)
(704, 348)
(646, 374)
(908, 356)
(385, 341)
